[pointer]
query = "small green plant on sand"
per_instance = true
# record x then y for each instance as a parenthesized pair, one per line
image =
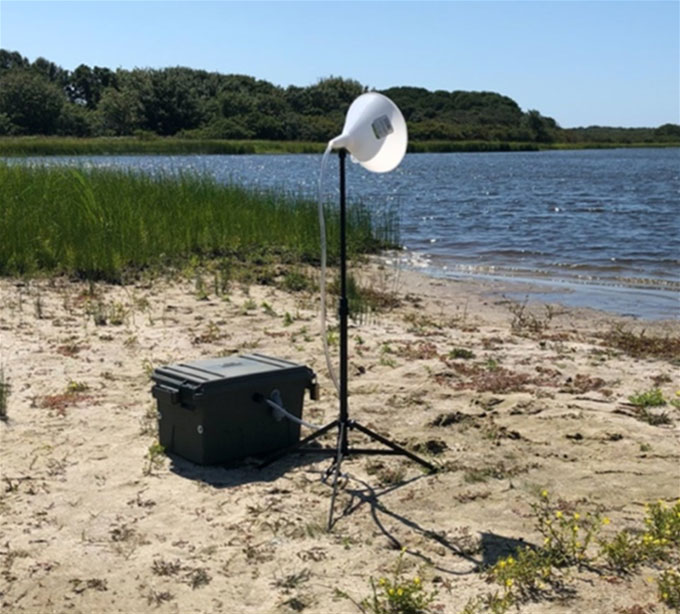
(627, 549)
(668, 587)
(268, 309)
(397, 594)
(526, 575)
(622, 553)
(650, 398)
(662, 529)
(386, 356)
(461, 353)
(76, 387)
(154, 458)
(569, 540)
(295, 281)
(566, 534)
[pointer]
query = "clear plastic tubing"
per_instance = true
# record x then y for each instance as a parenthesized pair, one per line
(322, 282)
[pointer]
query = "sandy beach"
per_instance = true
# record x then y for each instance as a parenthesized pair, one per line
(508, 400)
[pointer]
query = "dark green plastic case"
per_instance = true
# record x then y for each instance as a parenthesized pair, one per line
(214, 411)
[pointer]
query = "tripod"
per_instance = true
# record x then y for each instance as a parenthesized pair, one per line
(343, 423)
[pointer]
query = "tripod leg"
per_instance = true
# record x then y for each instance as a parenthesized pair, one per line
(397, 448)
(336, 466)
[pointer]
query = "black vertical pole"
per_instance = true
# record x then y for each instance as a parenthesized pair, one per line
(344, 308)
(343, 423)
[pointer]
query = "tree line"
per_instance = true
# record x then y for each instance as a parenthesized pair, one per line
(42, 98)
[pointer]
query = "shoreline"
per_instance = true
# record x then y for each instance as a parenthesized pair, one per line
(638, 302)
(60, 146)
(508, 401)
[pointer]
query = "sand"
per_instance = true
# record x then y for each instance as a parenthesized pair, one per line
(89, 523)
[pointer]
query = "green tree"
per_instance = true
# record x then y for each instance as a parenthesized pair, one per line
(234, 103)
(86, 85)
(169, 103)
(539, 127)
(7, 128)
(668, 130)
(200, 103)
(333, 94)
(50, 71)
(12, 60)
(76, 120)
(31, 103)
(120, 110)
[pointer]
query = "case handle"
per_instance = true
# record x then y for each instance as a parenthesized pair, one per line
(165, 393)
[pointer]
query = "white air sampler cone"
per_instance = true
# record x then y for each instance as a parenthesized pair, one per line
(374, 133)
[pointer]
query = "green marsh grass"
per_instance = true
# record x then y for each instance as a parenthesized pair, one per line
(146, 144)
(100, 223)
(154, 145)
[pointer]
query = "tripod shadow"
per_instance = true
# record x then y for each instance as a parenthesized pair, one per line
(237, 473)
(492, 547)
(496, 547)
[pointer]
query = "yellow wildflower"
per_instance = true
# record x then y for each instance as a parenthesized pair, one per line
(509, 582)
(544, 493)
(576, 515)
(558, 514)
(605, 520)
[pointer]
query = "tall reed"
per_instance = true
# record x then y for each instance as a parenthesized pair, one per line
(97, 223)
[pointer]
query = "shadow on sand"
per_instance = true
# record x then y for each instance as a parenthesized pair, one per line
(486, 551)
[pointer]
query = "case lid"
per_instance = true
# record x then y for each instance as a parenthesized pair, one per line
(201, 376)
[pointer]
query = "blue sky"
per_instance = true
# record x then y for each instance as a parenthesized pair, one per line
(605, 62)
